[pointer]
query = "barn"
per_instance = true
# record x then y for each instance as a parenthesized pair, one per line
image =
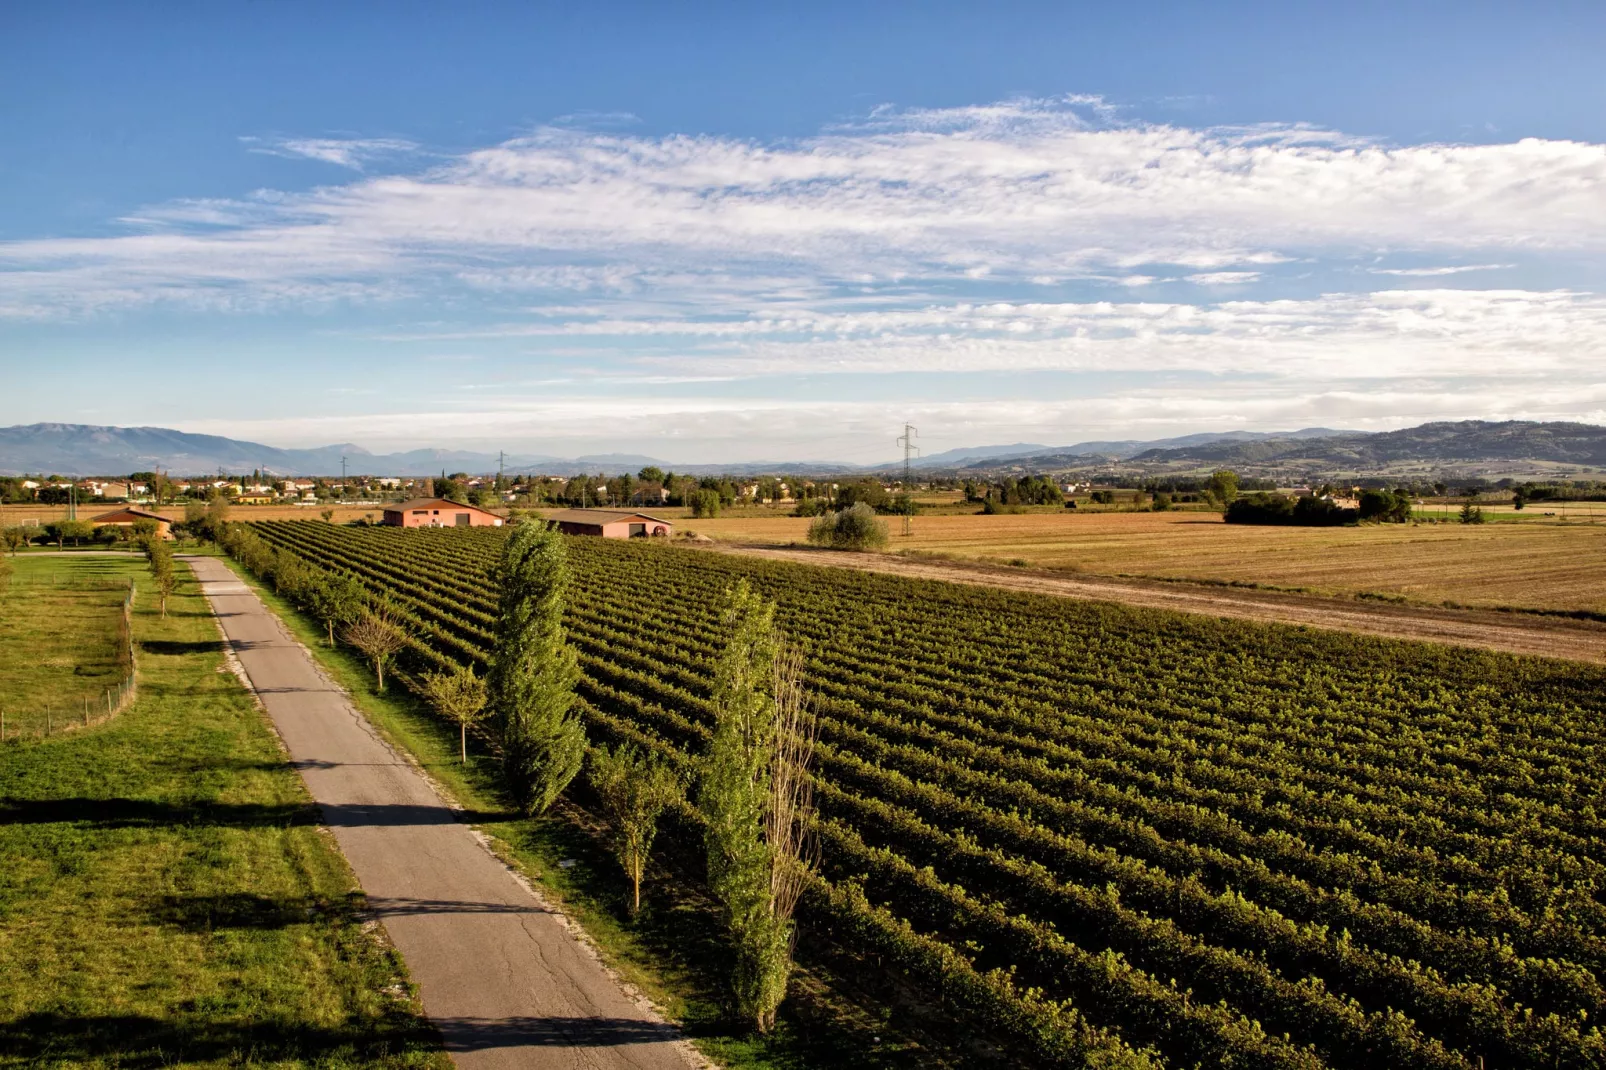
(611, 524)
(127, 518)
(439, 513)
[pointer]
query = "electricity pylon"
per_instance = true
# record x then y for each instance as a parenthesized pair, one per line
(907, 441)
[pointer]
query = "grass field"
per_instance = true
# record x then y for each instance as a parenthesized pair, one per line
(167, 897)
(58, 639)
(1552, 565)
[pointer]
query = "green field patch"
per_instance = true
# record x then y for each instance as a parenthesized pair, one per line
(167, 896)
(61, 647)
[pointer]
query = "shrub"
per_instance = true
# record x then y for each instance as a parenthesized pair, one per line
(705, 504)
(856, 528)
(1307, 511)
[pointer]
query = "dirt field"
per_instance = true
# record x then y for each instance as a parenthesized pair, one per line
(1539, 565)
(1510, 632)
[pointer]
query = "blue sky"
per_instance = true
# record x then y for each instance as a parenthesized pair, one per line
(712, 233)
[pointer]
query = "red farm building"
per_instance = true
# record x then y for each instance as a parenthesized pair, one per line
(128, 517)
(611, 524)
(439, 513)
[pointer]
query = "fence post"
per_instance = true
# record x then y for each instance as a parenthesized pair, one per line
(47, 719)
(86, 711)
(108, 702)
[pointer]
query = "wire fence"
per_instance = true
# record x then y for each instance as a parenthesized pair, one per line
(90, 710)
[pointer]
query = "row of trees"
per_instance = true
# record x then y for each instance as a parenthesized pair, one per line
(751, 796)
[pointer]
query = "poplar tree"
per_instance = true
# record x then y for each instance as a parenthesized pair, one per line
(756, 802)
(534, 670)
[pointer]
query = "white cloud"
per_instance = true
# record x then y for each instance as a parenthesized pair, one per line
(1223, 278)
(343, 152)
(661, 262)
(1430, 272)
(1016, 191)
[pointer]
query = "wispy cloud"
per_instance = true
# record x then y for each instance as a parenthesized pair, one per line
(1007, 193)
(343, 152)
(1433, 272)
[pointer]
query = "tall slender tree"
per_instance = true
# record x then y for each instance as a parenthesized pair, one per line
(755, 801)
(534, 670)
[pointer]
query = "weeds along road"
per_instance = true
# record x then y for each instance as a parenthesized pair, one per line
(1513, 633)
(502, 976)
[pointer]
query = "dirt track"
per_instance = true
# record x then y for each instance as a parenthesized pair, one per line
(1515, 633)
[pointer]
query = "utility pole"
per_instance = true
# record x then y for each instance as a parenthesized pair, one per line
(907, 441)
(342, 473)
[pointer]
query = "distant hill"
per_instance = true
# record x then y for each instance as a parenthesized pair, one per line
(1122, 449)
(89, 449)
(1469, 446)
(1447, 445)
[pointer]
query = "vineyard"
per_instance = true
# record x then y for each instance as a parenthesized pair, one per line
(1112, 837)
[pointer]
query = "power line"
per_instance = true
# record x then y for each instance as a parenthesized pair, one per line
(907, 441)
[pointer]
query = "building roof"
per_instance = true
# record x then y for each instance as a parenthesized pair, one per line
(433, 503)
(138, 514)
(602, 516)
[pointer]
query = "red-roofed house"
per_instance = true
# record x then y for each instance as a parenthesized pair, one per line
(611, 524)
(439, 513)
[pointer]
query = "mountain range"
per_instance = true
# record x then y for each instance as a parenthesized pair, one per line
(1466, 447)
(89, 449)
(1119, 449)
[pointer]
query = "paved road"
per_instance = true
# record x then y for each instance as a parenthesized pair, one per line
(506, 981)
(1515, 633)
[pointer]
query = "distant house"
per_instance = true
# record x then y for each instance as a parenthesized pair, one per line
(127, 518)
(439, 513)
(611, 524)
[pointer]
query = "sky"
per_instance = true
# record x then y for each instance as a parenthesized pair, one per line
(730, 232)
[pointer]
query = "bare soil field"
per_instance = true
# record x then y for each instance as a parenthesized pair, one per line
(1550, 565)
(1513, 633)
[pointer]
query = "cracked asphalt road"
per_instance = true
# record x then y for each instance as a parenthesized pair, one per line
(500, 974)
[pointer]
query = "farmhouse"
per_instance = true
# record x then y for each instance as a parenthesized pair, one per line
(439, 513)
(611, 524)
(127, 518)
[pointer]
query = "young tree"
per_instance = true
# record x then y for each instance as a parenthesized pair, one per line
(328, 515)
(336, 599)
(14, 538)
(217, 516)
(163, 574)
(459, 696)
(1223, 486)
(635, 789)
(755, 799)
(534, 670)
(379, 635)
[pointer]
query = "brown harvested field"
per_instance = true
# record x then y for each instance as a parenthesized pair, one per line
(1514, 633)
(1533, 564)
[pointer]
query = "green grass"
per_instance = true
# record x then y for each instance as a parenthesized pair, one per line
(58, 638)
(673, 951)
(167, 896)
